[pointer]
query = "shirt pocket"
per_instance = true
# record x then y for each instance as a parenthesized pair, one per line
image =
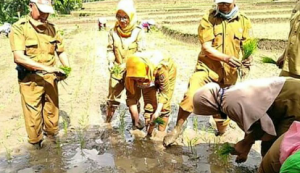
(31, 47)
(52, 46)
(218, 32)
(238, 38)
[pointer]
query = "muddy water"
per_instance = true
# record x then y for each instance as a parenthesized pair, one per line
(117, 148)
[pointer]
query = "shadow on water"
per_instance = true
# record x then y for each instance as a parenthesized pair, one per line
(113, 149)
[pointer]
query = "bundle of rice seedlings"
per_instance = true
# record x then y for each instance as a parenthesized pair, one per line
(159, 121)
(249, 48)
(269, 60)
(225, 149)
(116, 70)
(67, 70)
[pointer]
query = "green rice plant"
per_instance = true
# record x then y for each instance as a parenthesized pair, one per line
(191, 145)
(159, 121)
(268, 60)
(122, 121)
(58, 145)
(67, 70)
(223, 151)
(81, 139)
(65, 124)
(195, 124)
(249, 47)
(116, 71)
(7, 153)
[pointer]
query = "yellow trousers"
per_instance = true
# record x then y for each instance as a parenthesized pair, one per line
(198, 80)
(151, 100)
(116, 86)
(39, 98)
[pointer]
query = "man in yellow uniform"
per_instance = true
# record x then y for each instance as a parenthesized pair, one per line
(221, 33)
(34, 43)
(290, 60)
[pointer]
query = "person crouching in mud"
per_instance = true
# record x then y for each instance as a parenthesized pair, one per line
(154, 74)
(263, 108)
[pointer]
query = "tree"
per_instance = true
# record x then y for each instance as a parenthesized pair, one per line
(9, 10)
(66, 6)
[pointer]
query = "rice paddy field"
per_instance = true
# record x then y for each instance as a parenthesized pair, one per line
(86, 143)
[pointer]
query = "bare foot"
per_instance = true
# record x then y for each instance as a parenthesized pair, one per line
(171, 137)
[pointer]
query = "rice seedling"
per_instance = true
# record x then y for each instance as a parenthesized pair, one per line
(122, 121)
(249, 47)
(65, 124)
(8, 152)
(159, 121)
(58, 146)
(191, 145)
(67, 70)
(195, 124)
(81, 139)
(116, 71)
(268, 60)
(223, 151)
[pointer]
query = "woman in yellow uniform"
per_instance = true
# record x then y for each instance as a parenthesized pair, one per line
(154, 73)
(124, 39)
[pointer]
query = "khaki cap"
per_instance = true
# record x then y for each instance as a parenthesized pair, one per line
(44, 5)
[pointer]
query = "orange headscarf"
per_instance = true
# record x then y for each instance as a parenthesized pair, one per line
(141, 65)
(128, 7)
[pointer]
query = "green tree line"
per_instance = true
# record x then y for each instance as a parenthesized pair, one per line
(11, 10)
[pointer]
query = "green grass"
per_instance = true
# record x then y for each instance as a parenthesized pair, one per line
(268, 60)
(223, 152)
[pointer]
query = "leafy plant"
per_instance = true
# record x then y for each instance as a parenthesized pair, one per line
(66, 6)
(195, 123)
(224, 151)
(67, 70)
(116, 70)
(269, 60)
(122, 121)
(159, 121)
(249, 47)
(10, 9)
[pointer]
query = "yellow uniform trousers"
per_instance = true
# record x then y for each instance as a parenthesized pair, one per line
(39, 97)
(116, 86)
(198, 80)
(151, 98)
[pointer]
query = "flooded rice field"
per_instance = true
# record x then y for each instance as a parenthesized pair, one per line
(116, 148)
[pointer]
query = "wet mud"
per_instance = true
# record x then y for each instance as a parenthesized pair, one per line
(116, 148)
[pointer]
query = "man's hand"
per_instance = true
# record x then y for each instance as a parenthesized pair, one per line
(233, 62)
(280, 61)
(247, 62)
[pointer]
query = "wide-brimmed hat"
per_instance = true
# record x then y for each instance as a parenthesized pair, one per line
(44, 5)
(226, 1)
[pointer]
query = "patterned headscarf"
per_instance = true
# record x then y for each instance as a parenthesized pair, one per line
(245, 102)
(128, 7)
